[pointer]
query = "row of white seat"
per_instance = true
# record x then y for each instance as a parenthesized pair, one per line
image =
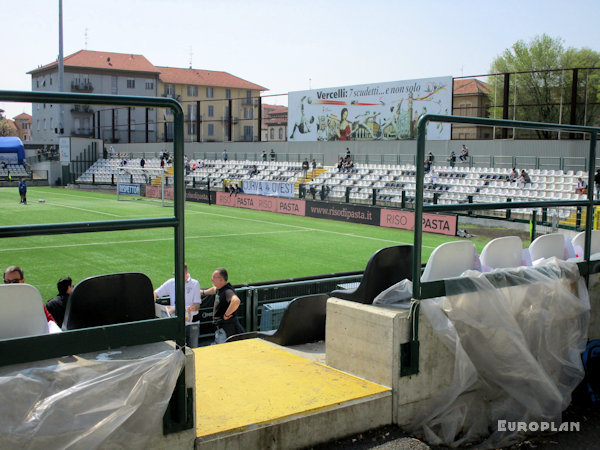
(505, 252)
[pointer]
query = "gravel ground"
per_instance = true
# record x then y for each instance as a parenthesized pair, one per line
(391, 437)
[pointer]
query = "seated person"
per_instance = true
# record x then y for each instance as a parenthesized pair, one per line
(58, 304)
(464, 153)
(427, 165)
(581, 186)
(524, 179)
(513, 175)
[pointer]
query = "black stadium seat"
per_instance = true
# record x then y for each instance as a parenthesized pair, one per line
(386, 267)
(110, 299)
(303, 321)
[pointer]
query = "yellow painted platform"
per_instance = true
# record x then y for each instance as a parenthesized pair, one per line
(252, 382)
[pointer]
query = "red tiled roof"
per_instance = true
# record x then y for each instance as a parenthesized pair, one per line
(22, 116)
(273, 115)
(104, 60)
(471, 86)
(199, 77)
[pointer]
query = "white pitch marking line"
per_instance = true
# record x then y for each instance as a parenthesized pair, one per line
(42, 247)
(84, 209)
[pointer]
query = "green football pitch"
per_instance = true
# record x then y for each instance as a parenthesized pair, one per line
(254, 246)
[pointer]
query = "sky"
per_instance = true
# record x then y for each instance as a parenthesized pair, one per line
(289, 45)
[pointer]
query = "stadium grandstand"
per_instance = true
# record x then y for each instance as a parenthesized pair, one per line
(326, 356)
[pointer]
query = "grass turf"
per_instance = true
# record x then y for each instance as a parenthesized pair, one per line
(254, 246)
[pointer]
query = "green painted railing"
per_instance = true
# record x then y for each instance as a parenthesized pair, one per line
(34, 348)
(410, 350)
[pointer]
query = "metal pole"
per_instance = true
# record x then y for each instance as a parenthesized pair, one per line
(61, 69)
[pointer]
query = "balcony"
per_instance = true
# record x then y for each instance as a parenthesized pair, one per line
(171, 95)
(82, 132)
(81, 86)
(82, 109)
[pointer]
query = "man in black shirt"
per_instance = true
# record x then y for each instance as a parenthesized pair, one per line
(58, 304)
(226, 303)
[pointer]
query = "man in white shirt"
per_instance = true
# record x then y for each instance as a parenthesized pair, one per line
(192, 305)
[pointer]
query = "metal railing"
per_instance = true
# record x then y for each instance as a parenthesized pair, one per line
(33, 348)
(410, 350)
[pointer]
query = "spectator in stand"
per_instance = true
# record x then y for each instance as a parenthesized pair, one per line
(348, 165)
(142, 162)
(314, 167)
(162, 162)
(225, 157)
(464, 153)
(581, 186)
(253, 171)
(597, 183)
(305, 167)
(192, 305)
(347, 152)
(427, 165)
(58, 304)
(340, 165)
(452, 159)
(524, 179)
(430, 157)
(513, 175)
(264, 155)
(273, 156)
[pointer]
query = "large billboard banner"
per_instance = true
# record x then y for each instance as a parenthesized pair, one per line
(379, 111)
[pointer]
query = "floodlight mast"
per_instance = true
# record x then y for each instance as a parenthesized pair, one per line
(61, 69)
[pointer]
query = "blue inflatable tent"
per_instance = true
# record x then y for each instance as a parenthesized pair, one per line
(12, 150)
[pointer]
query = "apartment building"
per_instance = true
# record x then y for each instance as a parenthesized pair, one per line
(470, 98)
(100, 73)
(274, 123)
(218, 106)
(23, 124)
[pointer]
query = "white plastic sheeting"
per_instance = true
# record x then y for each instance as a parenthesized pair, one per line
(87, 403)
(517, 351)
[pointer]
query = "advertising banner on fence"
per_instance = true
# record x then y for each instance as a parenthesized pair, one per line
(198, 195)
(154, 192)
(343, 212)
(129, 189)
(261, 203)
(432, 223)
(276, 188)
(378, 111)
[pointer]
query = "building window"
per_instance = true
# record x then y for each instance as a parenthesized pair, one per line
(272, 133)
(169, 90)
(281, 134)
(191, 112)
(248, 133)
(211, 129)
(227, 113)
(130, 84)
(210, 92)
(227, 93)
(191, 128)
(248, 113)
(211, 111)
(37, 83)
(192, 91)
(226, 131)
(149, 85)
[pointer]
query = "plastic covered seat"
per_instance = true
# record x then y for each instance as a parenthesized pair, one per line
(450, 260)
(548, 246)
(109, 299)
(303, 321)
(22, 311)
(502, 252)
(386, 267)
(579, 244)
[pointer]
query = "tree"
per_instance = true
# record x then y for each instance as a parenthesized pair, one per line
(541, 74)
(7, 128)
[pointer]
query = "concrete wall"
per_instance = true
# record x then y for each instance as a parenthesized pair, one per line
(377, 149)
(365, 340)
